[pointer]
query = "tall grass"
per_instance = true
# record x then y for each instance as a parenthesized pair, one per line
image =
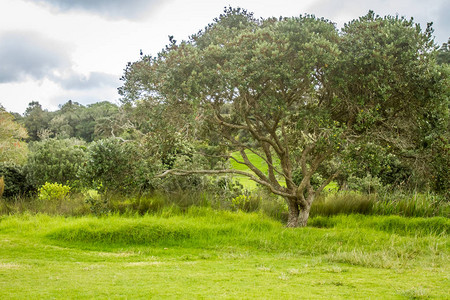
(399, 203)
(329, 204)
(74, 205)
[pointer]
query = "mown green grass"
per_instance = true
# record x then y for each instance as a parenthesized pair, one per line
(257, 161)
(206, 253)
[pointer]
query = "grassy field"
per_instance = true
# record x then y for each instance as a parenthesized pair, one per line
(212, 254)
(256, 161)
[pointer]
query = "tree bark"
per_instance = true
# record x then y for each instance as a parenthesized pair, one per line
(294, 211)
(298, 216)
(304, 215)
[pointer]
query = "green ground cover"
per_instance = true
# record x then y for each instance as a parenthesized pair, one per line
(223, 255)
(257, 161)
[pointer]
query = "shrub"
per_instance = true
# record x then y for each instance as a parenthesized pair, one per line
(367, 184)
(247, 203)
(53, 192)
(55, 160)
(112, 166)
(15, 180)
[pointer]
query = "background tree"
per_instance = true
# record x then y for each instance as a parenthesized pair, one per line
(35, 120)
(303, 95)
(72, 120)
(12, 135)
(443, 54)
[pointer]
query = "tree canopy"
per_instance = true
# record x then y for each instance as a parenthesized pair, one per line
(72, 120)
(12, 136)
(306, 97)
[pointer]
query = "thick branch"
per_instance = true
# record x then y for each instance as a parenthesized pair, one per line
(179, 172)
(261, 138)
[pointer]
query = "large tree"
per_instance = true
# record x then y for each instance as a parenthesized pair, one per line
(302, 94)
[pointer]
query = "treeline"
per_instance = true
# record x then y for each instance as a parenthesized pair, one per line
(71, 120)
(101, 146)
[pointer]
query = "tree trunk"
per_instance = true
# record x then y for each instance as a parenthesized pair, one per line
(294, 212)
(304, 215)
(298, 217)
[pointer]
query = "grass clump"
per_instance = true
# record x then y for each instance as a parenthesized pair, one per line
(343, 203)
(120, 231)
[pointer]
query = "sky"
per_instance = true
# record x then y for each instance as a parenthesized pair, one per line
(52, 51)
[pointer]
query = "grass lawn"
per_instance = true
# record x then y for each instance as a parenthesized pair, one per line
(223, 255)
(256, 161)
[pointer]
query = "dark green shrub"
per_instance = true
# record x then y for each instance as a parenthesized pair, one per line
(114, 166)
(15, 180)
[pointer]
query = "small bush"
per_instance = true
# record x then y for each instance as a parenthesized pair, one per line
(53, 192)
(247, 203)
(368, 184)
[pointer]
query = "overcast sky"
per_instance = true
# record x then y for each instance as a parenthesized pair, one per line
(53, 51)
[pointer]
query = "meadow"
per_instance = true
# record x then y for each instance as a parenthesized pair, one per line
(216, 254)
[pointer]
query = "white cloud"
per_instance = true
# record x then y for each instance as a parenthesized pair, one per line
(343, 11)
(111, 9)
(27, 54)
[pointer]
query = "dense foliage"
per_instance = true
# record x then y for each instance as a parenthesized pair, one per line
(92, 122)
(54, 160)
(15, 180)
(112, 165)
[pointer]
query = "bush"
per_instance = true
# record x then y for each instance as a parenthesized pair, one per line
(112, 167)
(247, 203)
(15, 180)
(53, 192)
(55, 160)
(367, 184)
